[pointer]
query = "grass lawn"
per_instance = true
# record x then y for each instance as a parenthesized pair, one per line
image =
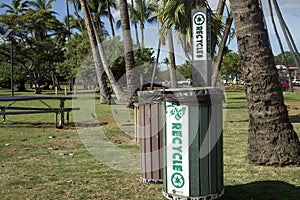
(38, 161)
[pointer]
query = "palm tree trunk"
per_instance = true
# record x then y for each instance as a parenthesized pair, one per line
(285, 31)
(222, 45)
(115, 86)
(280, 45)
(110, 18)
(132, 81)
(272, 140)
(77, 14)
(155, 64)
(220, 11)
(172, 59)
(221, 7)
(93, 41)
(142, 27)
(135, 28)
(68, 18)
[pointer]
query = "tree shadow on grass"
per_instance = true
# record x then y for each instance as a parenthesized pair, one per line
(262, 190)
(295, 118)
(71, 125)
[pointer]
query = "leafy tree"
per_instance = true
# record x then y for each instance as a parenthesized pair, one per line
(279, 59)
(231, 64)
(18, 7)
(78, 49)
(185, 69)
(41, 38)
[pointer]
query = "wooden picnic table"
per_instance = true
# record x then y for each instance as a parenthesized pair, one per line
(61, 110)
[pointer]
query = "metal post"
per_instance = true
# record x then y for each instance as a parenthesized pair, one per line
(12, 68)
(202, 63)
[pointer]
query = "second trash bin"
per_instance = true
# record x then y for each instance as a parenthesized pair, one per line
(193, 157)
(149, 131)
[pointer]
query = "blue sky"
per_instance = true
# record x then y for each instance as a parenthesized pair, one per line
(290, 10)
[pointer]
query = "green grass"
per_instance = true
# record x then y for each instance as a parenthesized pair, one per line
(38, 161)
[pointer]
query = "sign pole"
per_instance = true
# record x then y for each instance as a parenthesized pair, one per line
(12, 68)
(201, 34)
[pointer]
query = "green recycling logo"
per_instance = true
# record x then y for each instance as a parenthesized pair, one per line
(177, 180)
(178, 113)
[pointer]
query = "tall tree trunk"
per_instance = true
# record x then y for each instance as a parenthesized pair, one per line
(272, 140)
(172, 59)
(142, 27)
(222, 45)
(68, 18)
(115, 86)
(156, 63)
(77, 15)
(132, 81)
(219, 13)
(221, 7)
(104, 98)
(280, 45)
(110, 18)
(286, 34)
(135, 28)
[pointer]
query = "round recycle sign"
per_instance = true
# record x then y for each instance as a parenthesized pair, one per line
(177, 180)
(199, 19)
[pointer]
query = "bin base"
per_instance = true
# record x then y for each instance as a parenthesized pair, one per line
(206, 197)
(151, 181)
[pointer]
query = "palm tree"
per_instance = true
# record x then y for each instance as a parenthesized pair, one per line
(177, 14)
(222, 44)
(135, 21)
(68, 17)
(111, 4)
(288, 37)
(104, 97)
(98, 9)
(166, 29)
(43, 5)
(143, 12)
(17, 7)
(76, 6)
(102, 8)
(172, 59)
(98, 53)
(132, 81)
(271, 138)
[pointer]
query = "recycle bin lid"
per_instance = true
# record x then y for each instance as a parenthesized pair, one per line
(193, 95)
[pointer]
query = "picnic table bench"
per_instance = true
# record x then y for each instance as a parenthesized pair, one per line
(17, 110)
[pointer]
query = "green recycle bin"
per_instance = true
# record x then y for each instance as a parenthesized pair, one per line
(193, 143)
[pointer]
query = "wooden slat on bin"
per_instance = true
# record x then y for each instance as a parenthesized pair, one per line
(161, 125)
(150, 132)
(148, 142)
(155, 141)
(141, 135)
